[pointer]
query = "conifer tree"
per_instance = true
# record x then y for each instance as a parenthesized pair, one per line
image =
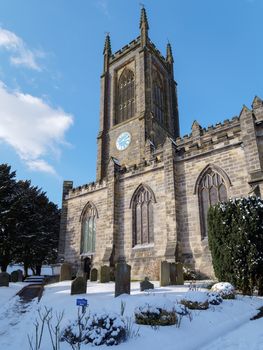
(235, 233)
(8, 197)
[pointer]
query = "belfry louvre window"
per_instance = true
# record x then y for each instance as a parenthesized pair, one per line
(125, 96)
(212, 189)
(142, 207)
(88, 231)
(158, 99)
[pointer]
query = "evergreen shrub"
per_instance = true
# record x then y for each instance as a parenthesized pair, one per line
(235, 235)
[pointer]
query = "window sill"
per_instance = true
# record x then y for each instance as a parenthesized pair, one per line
(143, 246)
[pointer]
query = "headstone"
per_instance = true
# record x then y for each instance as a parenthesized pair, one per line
(104, 274)
(14, 276)
(4, 279)
(112, 274)
(172, 274)
(79, 285)
(164, 274)
(93, 275)
(20, 275)
(146, 284)
(65, 272)
(179, 273)
(122, 279)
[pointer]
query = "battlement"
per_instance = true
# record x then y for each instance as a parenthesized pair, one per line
(205, 139)
(157, 51)
(86, 188)
(134, 43)
(150, 164)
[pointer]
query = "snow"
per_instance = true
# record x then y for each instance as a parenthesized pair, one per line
(224, 326)
(223, 288)
(196, 296)
(6, 293)
(45, 270)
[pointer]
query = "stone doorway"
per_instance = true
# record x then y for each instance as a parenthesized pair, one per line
(87, 263)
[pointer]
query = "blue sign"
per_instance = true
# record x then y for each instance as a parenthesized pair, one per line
(82, 302)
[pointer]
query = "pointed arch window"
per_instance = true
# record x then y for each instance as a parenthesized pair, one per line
(211, 190)
(158, 99)
(142, 215)
(88, 229)
(125, 96)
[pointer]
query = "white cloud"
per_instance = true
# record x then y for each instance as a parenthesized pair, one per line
(103, 5)
(21, 54)
(32, 127)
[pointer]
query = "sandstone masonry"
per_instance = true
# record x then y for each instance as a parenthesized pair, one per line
(151, 194)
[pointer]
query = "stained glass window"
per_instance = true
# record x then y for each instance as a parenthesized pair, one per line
(143, 216)
(88, 236)
(212, 189)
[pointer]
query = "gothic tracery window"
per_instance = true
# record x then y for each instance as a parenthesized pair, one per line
(142, 206)
(211, 190)
(88, 230)
(158, 99)
(125, 96)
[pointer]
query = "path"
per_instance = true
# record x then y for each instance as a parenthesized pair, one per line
(15, 309)
(248, 336)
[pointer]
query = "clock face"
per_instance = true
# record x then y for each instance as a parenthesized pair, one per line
(123, 141)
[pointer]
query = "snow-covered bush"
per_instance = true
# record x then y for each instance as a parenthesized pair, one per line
(235, 236)
(195, 300)
(225, 289)
(160, 313)
(214, 298)
(96, 329)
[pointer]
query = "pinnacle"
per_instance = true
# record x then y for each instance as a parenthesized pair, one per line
(257, 102)
(107, 45)
(143, 19)
(169, 53)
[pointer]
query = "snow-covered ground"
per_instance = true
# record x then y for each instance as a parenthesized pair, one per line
(6, 293)
(226, 326)
(45, 270)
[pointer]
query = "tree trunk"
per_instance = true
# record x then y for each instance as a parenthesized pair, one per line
(38, 270)
(260, 287)
(25, 270)
(4, 262)
(4, 266)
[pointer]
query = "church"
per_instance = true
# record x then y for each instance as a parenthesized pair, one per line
(153, 188)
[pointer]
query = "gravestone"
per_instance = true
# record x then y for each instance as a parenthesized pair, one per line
(122, 279)
(179, 274)
(79, 285)
(164, 274)
(20, 275)
(4, 279)
(146, 284)
(65, 272)
(104, 274)
(14, 276)
(172, 273)
(112, 274)
(93, 275)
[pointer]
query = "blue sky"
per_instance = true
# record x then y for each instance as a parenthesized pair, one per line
(51, 62)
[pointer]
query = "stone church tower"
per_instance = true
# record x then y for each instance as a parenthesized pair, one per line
(153, 189)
